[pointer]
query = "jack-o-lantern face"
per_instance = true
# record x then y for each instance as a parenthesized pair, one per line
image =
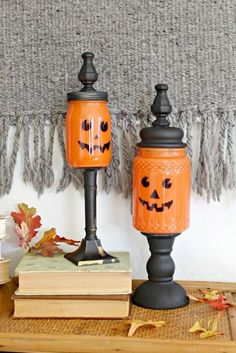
(88, 134)
(161, 189)
(94, 138)
(152, 203)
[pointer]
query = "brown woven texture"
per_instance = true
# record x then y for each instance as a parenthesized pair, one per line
(178, 322)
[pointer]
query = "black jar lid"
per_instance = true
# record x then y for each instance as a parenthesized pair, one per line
(160, 134)
(87, 76)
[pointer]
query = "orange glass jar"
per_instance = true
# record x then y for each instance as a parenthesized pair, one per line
(88, 134)
(161, 190)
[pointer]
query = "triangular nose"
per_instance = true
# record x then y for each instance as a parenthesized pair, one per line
(155, 195)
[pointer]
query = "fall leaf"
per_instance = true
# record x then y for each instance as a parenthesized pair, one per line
(67, 241)
(195, 299)
(47, 246)
(211, 295)
(27, 221)
(27, 225)
(214, 298)
(196, 327)
(135, 324)
(25, 212)
(47, 236)
(209, 331)
(220, 304)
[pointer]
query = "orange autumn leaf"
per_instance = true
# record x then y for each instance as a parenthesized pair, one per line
(47, 246)
(66, 241)
(135, 324)
(221, 303)
(214, 298)
(47, 236)
(27, 223)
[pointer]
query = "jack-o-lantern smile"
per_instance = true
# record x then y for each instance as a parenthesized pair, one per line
(154, 206)
(92, 147)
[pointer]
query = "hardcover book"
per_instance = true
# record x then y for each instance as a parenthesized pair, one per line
(39, 275)
(114, 306)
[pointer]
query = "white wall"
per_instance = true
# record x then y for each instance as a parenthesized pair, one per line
(206, 251)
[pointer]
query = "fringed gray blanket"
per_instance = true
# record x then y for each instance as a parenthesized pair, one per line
(187, 44)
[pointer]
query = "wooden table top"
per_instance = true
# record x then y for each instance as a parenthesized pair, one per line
(49, 335)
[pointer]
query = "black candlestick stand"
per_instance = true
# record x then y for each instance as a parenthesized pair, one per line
(90, 250)
(160, 291)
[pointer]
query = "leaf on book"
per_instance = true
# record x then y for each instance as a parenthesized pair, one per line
(47, 246)
(27, 221)
(206, 332)
(22, 234)
(135, 324)
(67, 241)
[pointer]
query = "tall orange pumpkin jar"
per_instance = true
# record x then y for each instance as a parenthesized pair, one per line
(88, 146)
(161, 198)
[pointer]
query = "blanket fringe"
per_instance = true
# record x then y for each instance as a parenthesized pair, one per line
(209, 135)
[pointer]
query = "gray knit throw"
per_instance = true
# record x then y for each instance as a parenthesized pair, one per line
(187, 44)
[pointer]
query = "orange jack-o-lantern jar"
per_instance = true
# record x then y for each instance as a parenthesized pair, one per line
(161, 190)
(161, 196)
(88, 146)
(161, 177)
(88, 123)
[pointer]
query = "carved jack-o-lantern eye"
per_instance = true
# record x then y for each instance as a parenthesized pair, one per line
(104, 126)
(145, 182)
(166, 183)
(86, 125)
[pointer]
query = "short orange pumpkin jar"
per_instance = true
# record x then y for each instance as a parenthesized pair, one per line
(161, 198)
(161, 189)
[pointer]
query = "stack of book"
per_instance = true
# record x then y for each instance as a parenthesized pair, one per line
(55, 287)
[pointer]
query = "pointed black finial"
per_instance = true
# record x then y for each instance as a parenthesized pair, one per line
(161, 107)
(160, 134)
(88, 74)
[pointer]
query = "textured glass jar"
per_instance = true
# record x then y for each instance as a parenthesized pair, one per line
(161, 190)
(88, 134)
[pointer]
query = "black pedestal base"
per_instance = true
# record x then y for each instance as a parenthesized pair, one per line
(160, 291)
(153, 295)
(90, 252)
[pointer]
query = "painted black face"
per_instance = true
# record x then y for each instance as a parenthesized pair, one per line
(155, 206)
(86, 126)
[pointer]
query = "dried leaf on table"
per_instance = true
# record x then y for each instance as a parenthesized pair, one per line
(214, 298)
(195, 299)
(211, 295)
(209, 331)
(135, 324)
(221, 303)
